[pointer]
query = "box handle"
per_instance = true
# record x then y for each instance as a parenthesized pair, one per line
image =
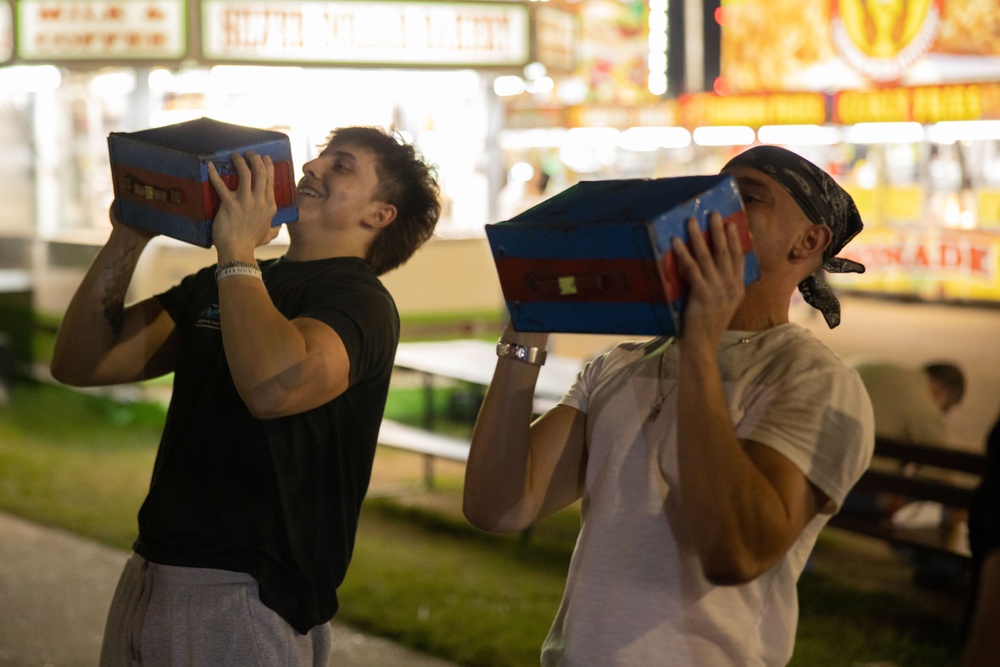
(582, 285)
(153, 192)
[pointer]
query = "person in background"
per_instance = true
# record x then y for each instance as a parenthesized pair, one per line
(281, 371)
(982, 641)
(707, 465)
(910, 405)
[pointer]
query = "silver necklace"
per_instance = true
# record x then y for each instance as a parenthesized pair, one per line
(661, 396)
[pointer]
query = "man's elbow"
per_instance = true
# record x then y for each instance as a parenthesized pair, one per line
(265, 405)
(69, 374)
(732, 569)
(486, 516)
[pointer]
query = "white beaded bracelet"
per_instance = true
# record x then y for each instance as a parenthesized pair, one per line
(237, 269)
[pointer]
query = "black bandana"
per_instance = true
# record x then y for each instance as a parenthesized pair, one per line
(825, 203)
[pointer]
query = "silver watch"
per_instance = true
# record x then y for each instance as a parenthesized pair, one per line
(529, 355)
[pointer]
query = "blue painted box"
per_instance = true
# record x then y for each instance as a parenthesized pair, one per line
(161, 181)
(596, 258)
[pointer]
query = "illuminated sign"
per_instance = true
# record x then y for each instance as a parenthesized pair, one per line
(754, 110)
(929, 263)
(95, 30)
(790, 45)
(556, 35)
(926, 104)
(921, 104)
(528, 118)
(384, 33)
(662, 114)
(883, 39)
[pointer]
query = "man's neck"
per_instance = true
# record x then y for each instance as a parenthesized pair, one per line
(762, 308)
(304, 248)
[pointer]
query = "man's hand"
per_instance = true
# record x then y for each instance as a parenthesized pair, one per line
(120, 229)
(715, 276)
(243, 222)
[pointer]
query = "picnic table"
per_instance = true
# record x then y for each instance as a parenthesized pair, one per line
(464, 360)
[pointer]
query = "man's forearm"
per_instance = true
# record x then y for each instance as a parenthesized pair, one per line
(496, 476)
(94, 320)
(731, 507)
(498, 493)
(260, 342)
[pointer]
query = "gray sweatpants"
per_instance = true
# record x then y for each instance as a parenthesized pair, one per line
(197, 617)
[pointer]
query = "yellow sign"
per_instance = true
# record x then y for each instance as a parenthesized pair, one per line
(830, 45)
(883, 38)
(753, 110)
(932, 264)
(923, 104)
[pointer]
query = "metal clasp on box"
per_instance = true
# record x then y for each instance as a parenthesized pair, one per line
(577, 285)
(152, 192)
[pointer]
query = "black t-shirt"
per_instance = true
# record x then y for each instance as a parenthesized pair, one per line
(276, 498)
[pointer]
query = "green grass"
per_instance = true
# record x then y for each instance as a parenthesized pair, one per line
(76, 461)
(446, 590)
(420, 574)
(870, 627)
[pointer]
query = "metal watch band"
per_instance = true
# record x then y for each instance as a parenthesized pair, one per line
(529, 355)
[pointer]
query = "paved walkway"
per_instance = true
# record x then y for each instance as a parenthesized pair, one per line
(55, 588)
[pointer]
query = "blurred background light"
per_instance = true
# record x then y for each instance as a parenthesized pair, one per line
(508, 86)
(948, 132)
(653, 138)
(799, 135)
(884, 133)
(113, 83)
(724, 135)
(21, 79)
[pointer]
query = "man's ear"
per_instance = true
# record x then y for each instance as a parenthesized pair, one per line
(380, 216)
(812, 242)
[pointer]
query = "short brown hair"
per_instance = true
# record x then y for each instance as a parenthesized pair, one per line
(407, 182)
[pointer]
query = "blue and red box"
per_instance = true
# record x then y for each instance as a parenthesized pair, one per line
(161, 181)
(597, 257)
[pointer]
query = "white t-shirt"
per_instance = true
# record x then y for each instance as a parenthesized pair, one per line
(635, 593)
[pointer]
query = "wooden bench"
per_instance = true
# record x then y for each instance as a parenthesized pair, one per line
(468, 361)
(421, 441)
(914, 472)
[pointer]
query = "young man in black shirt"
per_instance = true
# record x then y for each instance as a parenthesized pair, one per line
(281, 371)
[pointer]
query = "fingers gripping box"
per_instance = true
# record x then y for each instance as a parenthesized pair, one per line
(597, 257)
(161, 181)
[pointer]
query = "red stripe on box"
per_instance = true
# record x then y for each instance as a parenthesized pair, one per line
(588, 280)
(602, 280)
(285, 192)
(186, 197)
(162, 192)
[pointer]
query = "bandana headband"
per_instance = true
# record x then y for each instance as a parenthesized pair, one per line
(824, 202)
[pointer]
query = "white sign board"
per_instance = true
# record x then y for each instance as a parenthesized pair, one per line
(379, 32)
(98, 30)
(557, 34)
